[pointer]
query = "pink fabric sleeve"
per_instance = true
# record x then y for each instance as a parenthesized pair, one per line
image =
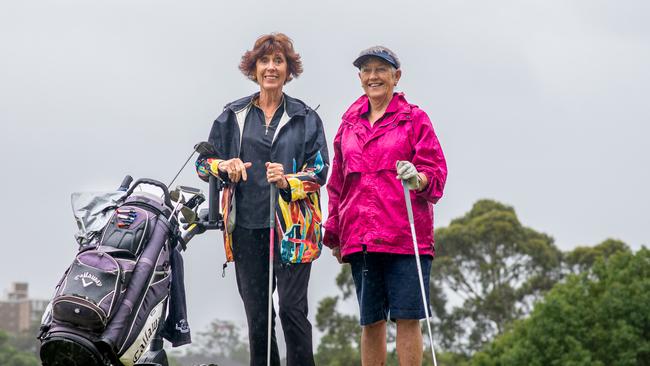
(334, 185)
(429, 158)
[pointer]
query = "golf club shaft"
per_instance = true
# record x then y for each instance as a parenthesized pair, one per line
(181, 169)
(409, 209)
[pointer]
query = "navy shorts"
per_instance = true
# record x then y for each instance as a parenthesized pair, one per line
(388, 286)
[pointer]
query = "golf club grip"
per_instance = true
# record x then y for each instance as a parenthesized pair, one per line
(126, 182)
(213, 197)
(272, 203)
(152, 182)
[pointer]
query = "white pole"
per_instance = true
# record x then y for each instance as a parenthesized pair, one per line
(271, 245)
(409, 209)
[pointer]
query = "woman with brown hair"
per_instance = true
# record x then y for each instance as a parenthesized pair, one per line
(269, 138)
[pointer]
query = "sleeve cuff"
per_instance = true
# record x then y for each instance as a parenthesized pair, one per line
(331, 240)
(296, 188)
(331, 233)
(213, 166)
(429, 192)
(285, 193)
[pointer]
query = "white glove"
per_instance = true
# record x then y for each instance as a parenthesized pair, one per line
(407, 172)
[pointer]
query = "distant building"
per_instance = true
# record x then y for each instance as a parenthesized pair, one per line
(37, 308)
(18, 311)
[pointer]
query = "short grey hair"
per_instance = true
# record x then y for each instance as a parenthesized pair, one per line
(378, 49)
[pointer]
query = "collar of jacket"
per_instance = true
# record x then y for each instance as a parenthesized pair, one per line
(292, 107)
(354, 112)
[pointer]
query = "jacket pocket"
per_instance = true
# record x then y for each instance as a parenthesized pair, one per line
(300, 226)
(128, 229)
(92, 287)
(229, 207)
(229, 215)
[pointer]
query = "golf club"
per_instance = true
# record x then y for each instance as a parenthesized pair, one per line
(201, 148)
(409, 209)
(271, 247)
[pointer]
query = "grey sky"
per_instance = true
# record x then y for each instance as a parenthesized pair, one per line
(542, 105)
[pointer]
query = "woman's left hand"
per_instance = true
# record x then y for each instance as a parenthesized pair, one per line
(275, 175)
(407, 172)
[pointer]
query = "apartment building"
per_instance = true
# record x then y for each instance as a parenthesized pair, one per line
(17, 310)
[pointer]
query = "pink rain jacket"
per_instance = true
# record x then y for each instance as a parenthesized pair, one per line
(366, 201)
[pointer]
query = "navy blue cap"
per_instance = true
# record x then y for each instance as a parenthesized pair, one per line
(380, 52)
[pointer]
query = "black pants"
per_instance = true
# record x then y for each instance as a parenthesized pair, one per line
(251, 252)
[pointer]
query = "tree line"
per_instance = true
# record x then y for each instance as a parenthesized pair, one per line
(504, 294)
(501, 294)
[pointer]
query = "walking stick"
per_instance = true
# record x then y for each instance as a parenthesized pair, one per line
(409, 209)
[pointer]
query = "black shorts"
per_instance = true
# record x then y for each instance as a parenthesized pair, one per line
(388, 286)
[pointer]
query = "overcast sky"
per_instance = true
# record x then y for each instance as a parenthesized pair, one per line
(543, 105)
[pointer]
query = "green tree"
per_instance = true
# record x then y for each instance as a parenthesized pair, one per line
(339, 345)
(172, 361)
(447, 359)
(9, 356)
(26, 341)
(222, 339)
(496, 266)
(599, 317)
(582, 258)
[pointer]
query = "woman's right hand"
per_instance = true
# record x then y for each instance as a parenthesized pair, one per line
(235, 168)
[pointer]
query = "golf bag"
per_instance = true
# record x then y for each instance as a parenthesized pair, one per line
(112, 301)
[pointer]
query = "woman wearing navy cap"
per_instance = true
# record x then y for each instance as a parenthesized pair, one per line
(382, 141)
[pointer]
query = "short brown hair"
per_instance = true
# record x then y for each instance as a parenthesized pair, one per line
(268, 44)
